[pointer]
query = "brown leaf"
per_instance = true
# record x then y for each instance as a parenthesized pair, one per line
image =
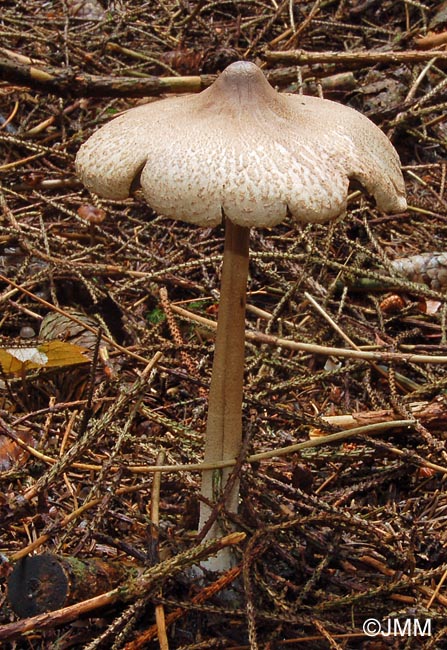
(428, 306)
(49, 354)
(12, 453)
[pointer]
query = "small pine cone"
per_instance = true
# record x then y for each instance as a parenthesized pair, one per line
(427, 268)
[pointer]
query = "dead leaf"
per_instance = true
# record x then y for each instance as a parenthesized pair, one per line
(11, 453)
(429, 306)
(48, 354)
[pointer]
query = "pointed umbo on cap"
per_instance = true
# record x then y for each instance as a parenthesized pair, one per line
(243, 149)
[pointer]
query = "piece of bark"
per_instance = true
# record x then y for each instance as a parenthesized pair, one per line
(432, 415)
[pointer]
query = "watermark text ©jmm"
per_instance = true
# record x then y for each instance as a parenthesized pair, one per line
(397, 627)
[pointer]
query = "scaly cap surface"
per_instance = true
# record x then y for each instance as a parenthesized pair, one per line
(243, 149)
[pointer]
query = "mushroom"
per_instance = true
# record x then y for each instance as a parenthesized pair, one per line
(243, 154)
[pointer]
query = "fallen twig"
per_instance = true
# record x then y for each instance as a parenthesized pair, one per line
(312, 348)
(365, 57)
(69, 83)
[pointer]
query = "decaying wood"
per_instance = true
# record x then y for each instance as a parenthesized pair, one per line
(150, 580)
(432, 415)
(46, 582)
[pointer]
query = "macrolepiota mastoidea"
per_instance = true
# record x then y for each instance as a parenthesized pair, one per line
(243, 154)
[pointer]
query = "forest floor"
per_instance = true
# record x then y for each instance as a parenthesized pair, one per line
(336, 533)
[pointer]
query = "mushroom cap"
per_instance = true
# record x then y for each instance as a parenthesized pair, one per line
(242, 149)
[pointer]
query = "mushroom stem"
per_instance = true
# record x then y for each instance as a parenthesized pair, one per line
(224, 425)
